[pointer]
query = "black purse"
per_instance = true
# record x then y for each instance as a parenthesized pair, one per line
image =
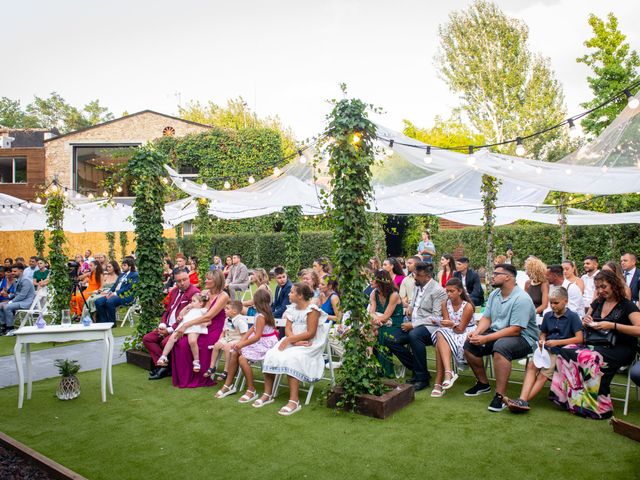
(605, 338)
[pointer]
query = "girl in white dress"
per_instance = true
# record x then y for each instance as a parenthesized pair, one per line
(299, 353)
(192, 311)
(457, 322)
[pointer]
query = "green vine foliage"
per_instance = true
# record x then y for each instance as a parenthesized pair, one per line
(489, 190)
(180, 238)
(145, 169)
(291, 229)
(39, 242)
(59, 278)
(111, 240)
(202, 237)
(351, 152)
(124, 242)
(378, 235)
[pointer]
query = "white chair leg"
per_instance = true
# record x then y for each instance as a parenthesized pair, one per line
(239, 378)
(627, 393)
(309, 393)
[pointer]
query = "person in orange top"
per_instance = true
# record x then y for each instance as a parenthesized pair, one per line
(95, 282)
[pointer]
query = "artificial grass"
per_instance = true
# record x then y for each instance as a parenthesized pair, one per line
(150, 429)
(7, 343)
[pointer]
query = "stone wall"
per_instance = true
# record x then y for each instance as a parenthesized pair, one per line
(137, 128)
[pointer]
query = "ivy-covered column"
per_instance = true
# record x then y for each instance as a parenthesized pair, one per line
(111, 240)
(351, 152)
(489, 190)
(202, 237)
(39, 242)
(378, 236)
(124, 241)
(145, 170)
(179, 237)
(291, 229)
(59, 280)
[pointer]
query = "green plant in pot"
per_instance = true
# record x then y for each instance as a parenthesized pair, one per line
(69, 387)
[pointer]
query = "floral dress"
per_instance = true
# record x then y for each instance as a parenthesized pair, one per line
(256, 351)
(455, 340)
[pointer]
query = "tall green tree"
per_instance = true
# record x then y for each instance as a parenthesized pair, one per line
(613, 65)
(12, 115)
(451, 132)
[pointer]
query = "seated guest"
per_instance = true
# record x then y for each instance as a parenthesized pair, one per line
(41, 275)
(631, 274)
(617, 270)
(121, 293)
(329, 299)
(281, 298)
(559, 327)
(217, 264)
(394, 268)
(95, 282)
(310, 277)
(408, 283)
(507, 331)
(108, 279)
(570, 273)
(457, 322)
(155, 341)
(299, 354)
(167, 272)
(21, 299)
(590, 267)
(322, 266)
(7, 285)
(583, 379)
(234, 327)
(193, 271)
(260, 278)
(555, 277)
(425, 304)
(181, 266)
(447, 269)
(537, 286)
(470, 280)
(228, 263)
(7, 263)
(386, 311)
(30, 270)
(238, 279)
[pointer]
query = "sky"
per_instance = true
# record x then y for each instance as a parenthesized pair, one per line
(284, 57)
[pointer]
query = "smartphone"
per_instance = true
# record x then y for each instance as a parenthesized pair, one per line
(509, 246)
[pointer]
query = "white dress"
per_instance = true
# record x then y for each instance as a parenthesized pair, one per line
(192, 315)
(304, 363)
(455, 340)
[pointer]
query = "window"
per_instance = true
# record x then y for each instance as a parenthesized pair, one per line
(13, 170)
(187, 228)
(92, 164)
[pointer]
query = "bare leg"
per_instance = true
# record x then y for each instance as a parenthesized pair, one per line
(476, 366)
(439, 364)
(294, 389)
(269, 378)
(214, 354)
(503, 371)
(537, 387)
(193, 343)
(169, 345)
(232, 368)
(530, 377)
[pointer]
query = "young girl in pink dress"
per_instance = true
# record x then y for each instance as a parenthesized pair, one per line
(252, 347)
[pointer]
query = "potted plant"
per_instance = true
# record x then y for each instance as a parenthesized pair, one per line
(69, 387)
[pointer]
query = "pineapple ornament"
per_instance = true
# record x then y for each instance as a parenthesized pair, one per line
(69, 387)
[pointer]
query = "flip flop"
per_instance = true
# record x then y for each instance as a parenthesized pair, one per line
(287, 411)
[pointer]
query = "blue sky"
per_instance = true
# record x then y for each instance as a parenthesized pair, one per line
(285, 57)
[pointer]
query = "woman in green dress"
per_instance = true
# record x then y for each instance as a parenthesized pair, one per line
(108, 279)
(385, 307)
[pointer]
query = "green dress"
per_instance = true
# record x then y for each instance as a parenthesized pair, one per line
(396, 320)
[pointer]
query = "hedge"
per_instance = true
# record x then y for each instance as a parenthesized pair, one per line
(607, 242)
(264, 250)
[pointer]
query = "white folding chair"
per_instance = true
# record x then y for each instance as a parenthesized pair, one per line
(40, 305)
(134, 308)
(627, 386)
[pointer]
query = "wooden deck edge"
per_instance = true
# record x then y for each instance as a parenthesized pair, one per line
(53, 468)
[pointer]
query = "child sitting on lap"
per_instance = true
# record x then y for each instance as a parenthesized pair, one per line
(234, 327)
(191, 312)
(560, 327)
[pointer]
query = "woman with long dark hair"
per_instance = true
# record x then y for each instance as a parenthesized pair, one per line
(394, 268)
(385, 307)
(447, 269)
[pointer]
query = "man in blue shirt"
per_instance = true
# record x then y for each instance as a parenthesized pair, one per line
(507, 331)
(20, 300)
(281, 298)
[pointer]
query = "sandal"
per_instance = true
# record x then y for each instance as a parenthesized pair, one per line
(518, 405)
(249, 396)
(287, 410)
(209, 373)
(222, 377)
(225, 391)
(196, 366)
(163, 361)
(437, 391)
(261, 403)
(448, 383)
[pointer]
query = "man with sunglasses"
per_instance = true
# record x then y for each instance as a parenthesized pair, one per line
(507, 331)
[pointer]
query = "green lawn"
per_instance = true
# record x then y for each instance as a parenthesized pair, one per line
(152, 430)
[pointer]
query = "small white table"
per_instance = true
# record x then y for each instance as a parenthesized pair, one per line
(57, 333)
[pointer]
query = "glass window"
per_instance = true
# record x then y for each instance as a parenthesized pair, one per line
(92, 164)
(13, 170)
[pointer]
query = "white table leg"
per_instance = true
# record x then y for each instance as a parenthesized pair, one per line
(110, 365)
(103, 370)
(17, 353)
(27, 357)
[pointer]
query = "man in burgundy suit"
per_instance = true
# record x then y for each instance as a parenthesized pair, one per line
(154, 341)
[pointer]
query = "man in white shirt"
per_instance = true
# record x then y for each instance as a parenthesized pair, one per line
(590, 271)
(555, 277)
(33, 266)
(631, 274)
(408, 283)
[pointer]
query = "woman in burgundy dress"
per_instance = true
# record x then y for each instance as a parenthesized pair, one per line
(181, 357)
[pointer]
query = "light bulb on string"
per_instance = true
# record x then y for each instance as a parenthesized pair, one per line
(227, 185)
(520, 151)
(165, 180)
(4, 210)
(119, 189)
(356, 138)
(302, 159)
(90, 196)
(19, 208)
(471, 160)
(632, 102)
(38, 200)
(65, 194)
(604, 169)
(573, 130)
(29, 206)
(427, 158)
(53, 188)
(204, 186)
(389, 151)
(251, 180)
(276, 171)
(105, 194)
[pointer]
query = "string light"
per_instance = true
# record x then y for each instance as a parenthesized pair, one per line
(204, 186)
(302, 158)
(119, 189)
(251, 179)
(427, 158)
(227, 185)
(520, 151)
(573, 130)
(276, 171)
(105, 194)
(604, 169)
(65, 193)
(165, 180)
(356, 138)
(4, 210)
(632, 102)
(38, 200)
(472, 158)
(54, 188)
(389, 151)
(90, 196)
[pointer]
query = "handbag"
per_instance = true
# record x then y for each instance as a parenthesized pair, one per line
(599, 337)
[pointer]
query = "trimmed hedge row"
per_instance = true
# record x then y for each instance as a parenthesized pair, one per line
(264, 250)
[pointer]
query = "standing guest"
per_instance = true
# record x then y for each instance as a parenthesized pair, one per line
(238, 279)
(507, 331)
(425, 305)
(470, 280)
(260, 278)
(121, 293)
(408, 283)
(228, 263)
(583, 380)
(180, 266)
(426, 248)
(193, 271)
(385, 309)
(555, 277)
(7, 263)
(537, 285)
(20, 300)
(617, 270)
(322, 266)
(590, 267)
(252, 347)
(394, 268)
(183, 375)
(299, 354)
(447, 269)
(310, 277)
(457, 322)
(570, 273)
(7, 285)
(217, 264)
(283, 287)
(631, 274)
(108, 279)
(329, 299)
(155, 341)
(31, 269)
(95, 282)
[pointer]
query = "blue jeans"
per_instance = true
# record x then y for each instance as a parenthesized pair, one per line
(106, 308)
(416, 358)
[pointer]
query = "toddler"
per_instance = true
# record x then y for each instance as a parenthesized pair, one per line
(234, 327)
